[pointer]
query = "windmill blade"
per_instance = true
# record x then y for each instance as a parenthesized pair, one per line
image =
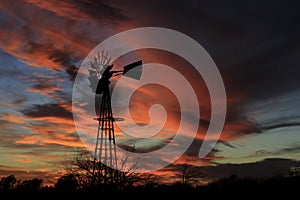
(107, 61)
(92, 73)
(133, 70)
(93, 65)
(93, 82)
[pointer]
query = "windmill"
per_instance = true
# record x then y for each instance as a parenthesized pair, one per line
(105, 158)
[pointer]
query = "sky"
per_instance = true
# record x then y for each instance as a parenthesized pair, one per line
(254, 44)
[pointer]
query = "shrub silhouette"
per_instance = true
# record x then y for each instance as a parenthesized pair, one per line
(67, 182)
(8, 182)
(33, 184)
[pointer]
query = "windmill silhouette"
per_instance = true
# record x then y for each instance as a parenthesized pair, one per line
(105, 163)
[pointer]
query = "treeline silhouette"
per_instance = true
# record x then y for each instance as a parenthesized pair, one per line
(67, 185)
(81, 181)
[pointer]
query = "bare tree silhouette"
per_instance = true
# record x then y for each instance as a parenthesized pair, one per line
(81, 163)
(188, 174)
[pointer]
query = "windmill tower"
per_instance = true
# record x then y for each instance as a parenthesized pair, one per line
(105, 163)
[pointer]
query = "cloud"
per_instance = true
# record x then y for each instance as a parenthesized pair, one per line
(47, 110)
(239, 121)
(260, 169)
(80, 10)
(203, 173)
(45, 35)
(293, 148)
(257, 56)
(24, 160)
(240, 87)
(46, 88)
(13, 118)
(281, 125)
(33, 130)
(54, 139)
(47, 85)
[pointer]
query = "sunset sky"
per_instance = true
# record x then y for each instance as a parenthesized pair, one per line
(254, 44)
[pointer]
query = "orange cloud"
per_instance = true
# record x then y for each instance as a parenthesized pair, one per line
(56, 120)
(35, 139)
(13, 118)
(46, 45)
(54, 138)
(49, 92)
(24, 160)
(61, 8)
(77, 11)
(43, 34)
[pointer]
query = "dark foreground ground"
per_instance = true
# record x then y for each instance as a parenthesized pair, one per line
(232, 187)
